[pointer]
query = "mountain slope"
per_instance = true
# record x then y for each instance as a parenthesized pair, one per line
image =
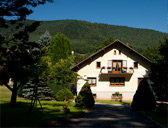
(86, 36)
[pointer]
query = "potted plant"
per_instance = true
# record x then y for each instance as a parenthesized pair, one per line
(117, 96)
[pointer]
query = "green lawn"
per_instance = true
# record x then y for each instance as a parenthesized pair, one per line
(159, 115)
(114, 102)
(21, 117)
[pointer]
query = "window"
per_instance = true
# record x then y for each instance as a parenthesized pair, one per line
(117, 81)
(117, 66)
(114, 52)
(92, 81)
(119, 52)
(135, 65)
(98, 64)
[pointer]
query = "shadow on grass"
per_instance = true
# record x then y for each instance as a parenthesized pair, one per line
(20, 116)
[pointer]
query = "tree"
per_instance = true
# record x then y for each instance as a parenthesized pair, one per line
(18, 56)
(61, 72)
(152, 54)
(85, 97)
(159, 72)
(20, 64)
(60, 48)
(143, 98)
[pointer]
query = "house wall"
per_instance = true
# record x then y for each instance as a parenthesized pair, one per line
(103, 90)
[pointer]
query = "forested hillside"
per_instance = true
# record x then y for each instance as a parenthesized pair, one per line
(85, 37)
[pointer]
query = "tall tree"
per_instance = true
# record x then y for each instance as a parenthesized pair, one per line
(152, 53)
(18, 56)
(159, 72)
(60, 48)
(61, 71)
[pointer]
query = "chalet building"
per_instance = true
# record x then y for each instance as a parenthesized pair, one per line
(115, 68)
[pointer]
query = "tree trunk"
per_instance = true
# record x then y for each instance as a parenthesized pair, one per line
(14, 94)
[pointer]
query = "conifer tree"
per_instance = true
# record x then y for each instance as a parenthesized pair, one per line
(60, 48)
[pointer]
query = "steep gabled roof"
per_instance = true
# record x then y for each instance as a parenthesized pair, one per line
(104, 49)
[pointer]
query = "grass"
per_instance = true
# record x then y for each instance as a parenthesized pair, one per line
(113, 102)
(21, 117)
(160, 115)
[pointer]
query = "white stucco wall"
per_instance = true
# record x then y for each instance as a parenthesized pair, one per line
(103, 90)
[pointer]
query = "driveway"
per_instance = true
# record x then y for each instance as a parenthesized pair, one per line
(108, 115)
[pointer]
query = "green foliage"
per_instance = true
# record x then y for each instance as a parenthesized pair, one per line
(108, 41)
(116, 93)
(159, 72)
(143, 98)
(152, 53)
(18, 54)
(61, 72)
(85, 37)
(56, 87)
(79, 57)
(85, 97)
(38, 87)
(64, 94)
(60, 48)
(20, 91)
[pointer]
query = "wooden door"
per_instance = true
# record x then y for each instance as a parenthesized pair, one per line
(117, 66)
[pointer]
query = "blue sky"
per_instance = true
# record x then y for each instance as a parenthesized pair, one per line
(149, 14)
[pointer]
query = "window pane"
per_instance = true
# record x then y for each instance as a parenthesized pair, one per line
(98, 65)
(115, 64)
(109, 63)
(124, 63)
(89, 81)
(122, 81)
(112, 81)
(135, 64)
(119, 64)
(117, 81)
(94, 81)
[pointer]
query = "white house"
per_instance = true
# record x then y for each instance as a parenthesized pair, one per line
(115, 68)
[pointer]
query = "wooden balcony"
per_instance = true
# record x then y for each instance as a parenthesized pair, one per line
(116, 71)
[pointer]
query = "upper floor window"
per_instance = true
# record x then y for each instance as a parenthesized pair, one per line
(98, 64)
(114, 52)
(117, 81)
(135, 65)
(92, 81)
(119, 52)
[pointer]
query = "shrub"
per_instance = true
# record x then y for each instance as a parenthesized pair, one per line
(56, 86)
(143, 98)
(85, 97)
(64, 94)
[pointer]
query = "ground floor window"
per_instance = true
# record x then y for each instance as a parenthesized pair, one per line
(117, 81)
(92, 81)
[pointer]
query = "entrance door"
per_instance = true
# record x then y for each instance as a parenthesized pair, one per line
(117, 66)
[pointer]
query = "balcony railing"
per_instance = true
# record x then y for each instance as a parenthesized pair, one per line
(109, 70)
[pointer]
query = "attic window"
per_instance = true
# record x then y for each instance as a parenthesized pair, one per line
(135, 65)
(98, 64)
(119, 52)
(114, 52)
